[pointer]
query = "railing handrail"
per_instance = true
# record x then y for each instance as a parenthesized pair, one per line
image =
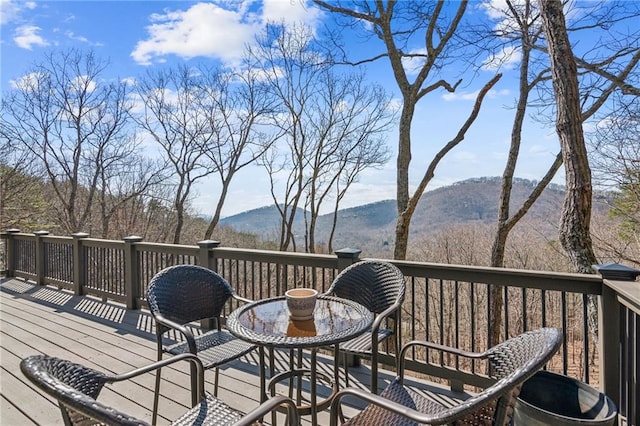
(279, 256)
(543, 280)
(524, 278)
(627, 292)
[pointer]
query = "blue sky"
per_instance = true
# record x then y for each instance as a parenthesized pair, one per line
(136, 35)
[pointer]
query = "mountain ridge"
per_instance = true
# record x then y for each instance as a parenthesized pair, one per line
(465, 202)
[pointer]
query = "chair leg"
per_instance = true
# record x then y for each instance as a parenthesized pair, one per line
(156, 396)
(194, 385)
(215, 384)
(272, 365)
(156, 391)
(374, 372)
(345, 363)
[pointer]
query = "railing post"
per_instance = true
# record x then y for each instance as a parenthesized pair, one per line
(203, 257)
(40, 259)
(347, 256)
(131, 273)
(10, 250)
(79, 263)
(610, 330)
(609, 344)
(208, 262)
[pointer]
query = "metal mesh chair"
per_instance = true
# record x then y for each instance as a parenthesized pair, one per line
(181, 294)
(380, 287)
(510, 364)
(76, 388)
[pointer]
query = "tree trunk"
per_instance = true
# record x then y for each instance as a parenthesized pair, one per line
(402, 179)
(574, 231)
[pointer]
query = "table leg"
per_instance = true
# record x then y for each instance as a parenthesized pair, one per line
(336, 368)
(291, 367)
(299, 378)
(263, 379)
(313, 384)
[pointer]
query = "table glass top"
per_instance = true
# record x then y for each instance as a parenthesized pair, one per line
(267, 322)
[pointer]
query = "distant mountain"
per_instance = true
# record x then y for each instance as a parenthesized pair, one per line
(257, 221)
(466, 202)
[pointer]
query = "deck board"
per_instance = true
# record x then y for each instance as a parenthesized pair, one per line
(110, 338)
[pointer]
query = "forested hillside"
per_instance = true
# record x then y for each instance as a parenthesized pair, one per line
(472, 201)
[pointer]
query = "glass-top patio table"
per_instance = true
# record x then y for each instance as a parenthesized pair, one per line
(266, 323)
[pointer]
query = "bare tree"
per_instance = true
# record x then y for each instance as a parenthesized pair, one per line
(615, 159)
(332, 127)
(519, 32)
(395, 23)
(238, 106)
(348, 119)
(127, 176)
(68, 117)
(22, 201)
(173, 116)
(576, 212)
(353, 159)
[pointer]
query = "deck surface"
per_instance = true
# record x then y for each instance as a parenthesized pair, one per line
(108, 337)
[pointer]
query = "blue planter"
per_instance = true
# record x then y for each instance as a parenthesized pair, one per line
(553, 399)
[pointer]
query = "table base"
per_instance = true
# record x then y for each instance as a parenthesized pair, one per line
(305, 410)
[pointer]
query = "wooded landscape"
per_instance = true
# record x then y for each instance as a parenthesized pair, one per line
(81, 153)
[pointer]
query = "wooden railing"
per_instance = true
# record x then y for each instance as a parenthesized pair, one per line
(447, 304)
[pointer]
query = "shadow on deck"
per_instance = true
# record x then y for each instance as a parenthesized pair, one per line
(108, 337)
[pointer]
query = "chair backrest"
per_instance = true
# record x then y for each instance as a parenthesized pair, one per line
(76, 388)
(186, 293)
(516, 353)
(511, 364)
(377, 285)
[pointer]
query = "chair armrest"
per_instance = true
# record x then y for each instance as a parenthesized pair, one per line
(242, 299)
(163, 363)
(434, 346)
(384, 314)
(387, 404)
(191, 341)
(441, 348)
(446, 416)
(268, 406)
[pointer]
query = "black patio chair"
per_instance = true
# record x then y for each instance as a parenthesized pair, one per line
(182, 294)
(76, 388)
(380, 287)
(511, 363)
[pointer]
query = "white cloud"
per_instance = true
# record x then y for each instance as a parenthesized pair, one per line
(9, 11)
(202, 30)
(82, 83)
(494, 8)
(290, 12)
(462, 96)
(214, 30)
(413, 64)
(27, 82)
(471, 96)
(129, 81)
(73, 36)
(507, 58)
(499, 11)
(27, 36)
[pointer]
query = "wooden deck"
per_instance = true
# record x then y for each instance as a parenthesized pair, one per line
(108, 337)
